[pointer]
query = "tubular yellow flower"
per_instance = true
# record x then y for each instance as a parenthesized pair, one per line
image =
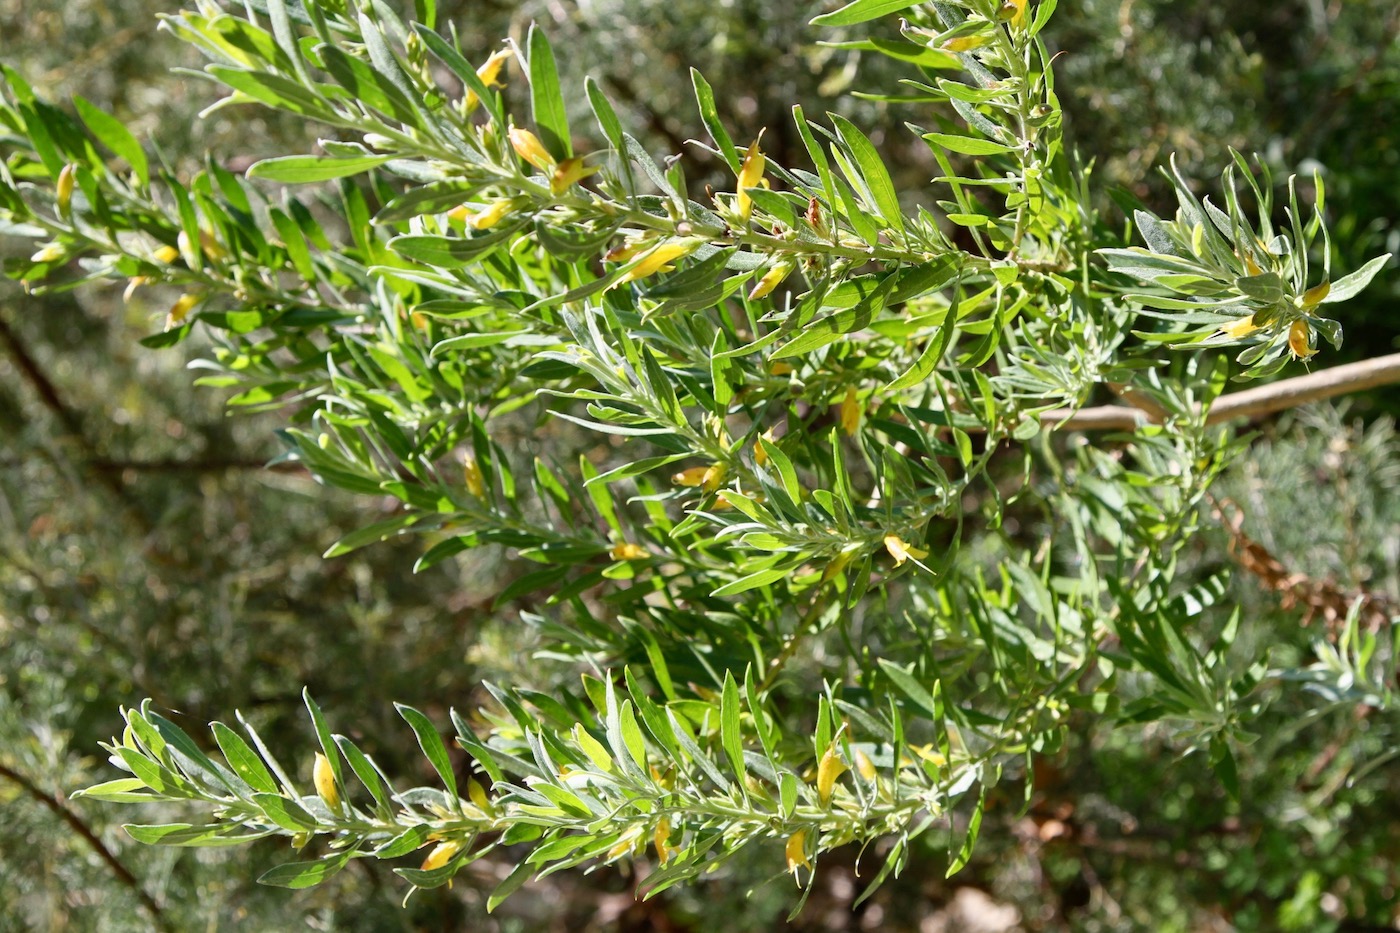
(166, 255)
(838, 564)
(180, 309)
(528, 146)
(750, 176)
(489, 73)
(1013, 11)
(471, 473)
(865, 766)
(569, 173)
(660, 838)
(49, 253)
(965, 43)
(1313, 296)
(63, 189)
(491, 215)
(323, 777)
(829, 769)
(626, 550)
(477, 793)
(714, 477)
(441, 854)
(780, 369)
(691, 476)
(1300, 340)
(1241, 328)
(624, 845)
(659, 258)
(901, 550)
(1250, 266)
(796, 851)
(771, 280)
(850, 413)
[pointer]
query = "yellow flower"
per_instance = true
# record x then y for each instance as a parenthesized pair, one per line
(927, 753)
(471, 472)
(1300, 340)
(829, 769)
(1241, 328)
(796, 851)
(1250, 266)
(658, 259)
(750, 176)
(49, 253)
(624, 251)
(691, 476)
(771, 280)
(323, 776)
(1313, 296)
(477, 793)
(166, 255)
(626, 550)
(780, 369)
(865, 766)
(63, 189)
(487, 217)
(838, 564)
(528, 146)
(568, 174)
(624, 845)
(901, 550)
(180, 310)
(966, 43)
(660, 839)
(489, 73)
(1013, 11)
(850, 413)
(441, 854)
(714, 477)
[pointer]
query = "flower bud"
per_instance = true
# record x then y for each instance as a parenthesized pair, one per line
(850, 413)
(441, 854)
(829, 769)
(569, 173)
(471, 473)
(528, 146)
(323, 776)
(659, 259)
(63, 189)
(965, 43)
(477, 794)
(714, 477)
(1313, 296)
(180, 310)
(865, 766)
(166, 255)
(50, 253)
(750, 176)
(760, 456)
(771, 280)
(660, 838)
(626, 550)
(1241, 328)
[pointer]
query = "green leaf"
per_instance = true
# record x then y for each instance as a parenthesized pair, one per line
(122, 790)
(730, 709)
(709, 115)
(872, 167)
(242, 759)
(861, 11)
(1349, 285)
(908, 685)
(285, 812)
(752, 581)
(115, 136)
(546, 98)
(967, 145)
(506, 888)
(933, 352)
(431, 742)
(298, 170)
(299, 875)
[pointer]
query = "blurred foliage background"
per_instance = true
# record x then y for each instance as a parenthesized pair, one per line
(145, 551)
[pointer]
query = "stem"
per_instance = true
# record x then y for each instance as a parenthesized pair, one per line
(1261, 400)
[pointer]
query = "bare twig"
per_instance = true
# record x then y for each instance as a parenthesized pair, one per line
(76, 823)
(1262, 400)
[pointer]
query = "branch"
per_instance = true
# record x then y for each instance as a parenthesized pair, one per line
(75, 822)
(1261, 400)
